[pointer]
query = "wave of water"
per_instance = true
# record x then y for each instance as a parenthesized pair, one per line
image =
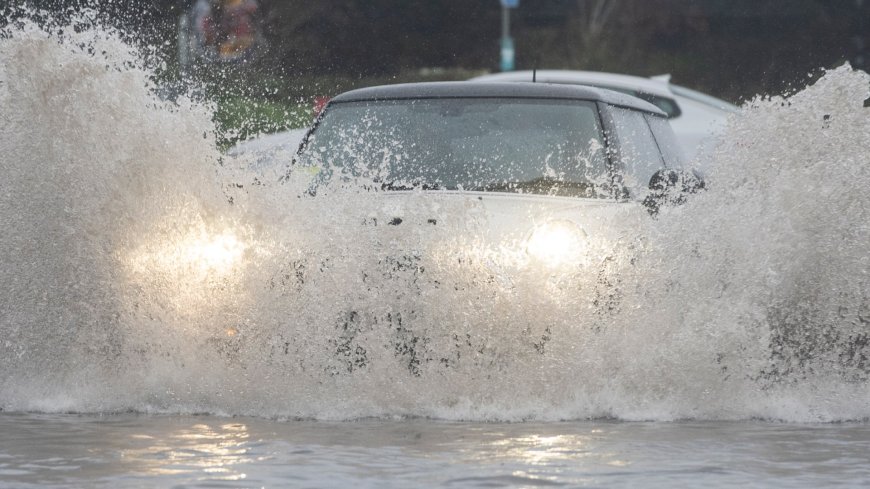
(142, 270)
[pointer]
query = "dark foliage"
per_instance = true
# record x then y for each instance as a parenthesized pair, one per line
(731, 48)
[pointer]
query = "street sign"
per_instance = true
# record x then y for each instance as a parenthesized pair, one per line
(507, 54)
(507, 42)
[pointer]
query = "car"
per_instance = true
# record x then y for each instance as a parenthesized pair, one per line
(542, 160)
(539, 178)
(696, 117)
(497, 140)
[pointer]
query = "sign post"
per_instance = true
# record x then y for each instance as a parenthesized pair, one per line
(507, 42)
(507, 54)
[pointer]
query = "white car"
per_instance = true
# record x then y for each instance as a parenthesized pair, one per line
(539, 177)
(696, 117)
(496, 139)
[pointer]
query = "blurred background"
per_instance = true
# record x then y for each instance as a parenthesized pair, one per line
(270, 61)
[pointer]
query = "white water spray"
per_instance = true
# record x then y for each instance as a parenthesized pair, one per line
(131, 283)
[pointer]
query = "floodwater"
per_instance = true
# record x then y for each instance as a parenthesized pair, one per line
(213, 325)
(207, 451)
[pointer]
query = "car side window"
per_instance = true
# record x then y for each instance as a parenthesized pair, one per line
(639, 155)
(667, 141)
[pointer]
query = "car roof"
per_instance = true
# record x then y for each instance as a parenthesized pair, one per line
(646, 85)
(464, 89)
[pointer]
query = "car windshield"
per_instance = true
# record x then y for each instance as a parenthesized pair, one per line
(542, 146)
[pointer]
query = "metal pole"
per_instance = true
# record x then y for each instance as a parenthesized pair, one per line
(507, 44)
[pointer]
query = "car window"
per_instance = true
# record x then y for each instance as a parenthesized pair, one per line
(639, 154)
(492, 144)
(671, 150)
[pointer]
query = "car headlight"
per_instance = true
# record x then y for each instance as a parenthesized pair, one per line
(557, 243)
(189, 265)
(210, 253)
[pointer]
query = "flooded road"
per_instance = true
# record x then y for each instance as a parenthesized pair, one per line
(205, 451)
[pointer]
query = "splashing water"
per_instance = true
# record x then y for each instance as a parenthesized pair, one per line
(130, 282)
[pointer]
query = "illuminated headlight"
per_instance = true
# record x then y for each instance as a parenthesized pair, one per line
(197, 256)
(190, 267)
(557, 243)
(215, 253)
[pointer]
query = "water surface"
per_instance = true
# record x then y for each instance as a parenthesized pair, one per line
(207, 451)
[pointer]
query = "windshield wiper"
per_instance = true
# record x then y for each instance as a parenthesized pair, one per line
(407, 186)
(545, 186)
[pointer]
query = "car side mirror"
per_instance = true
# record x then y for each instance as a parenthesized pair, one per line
(671, 187)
